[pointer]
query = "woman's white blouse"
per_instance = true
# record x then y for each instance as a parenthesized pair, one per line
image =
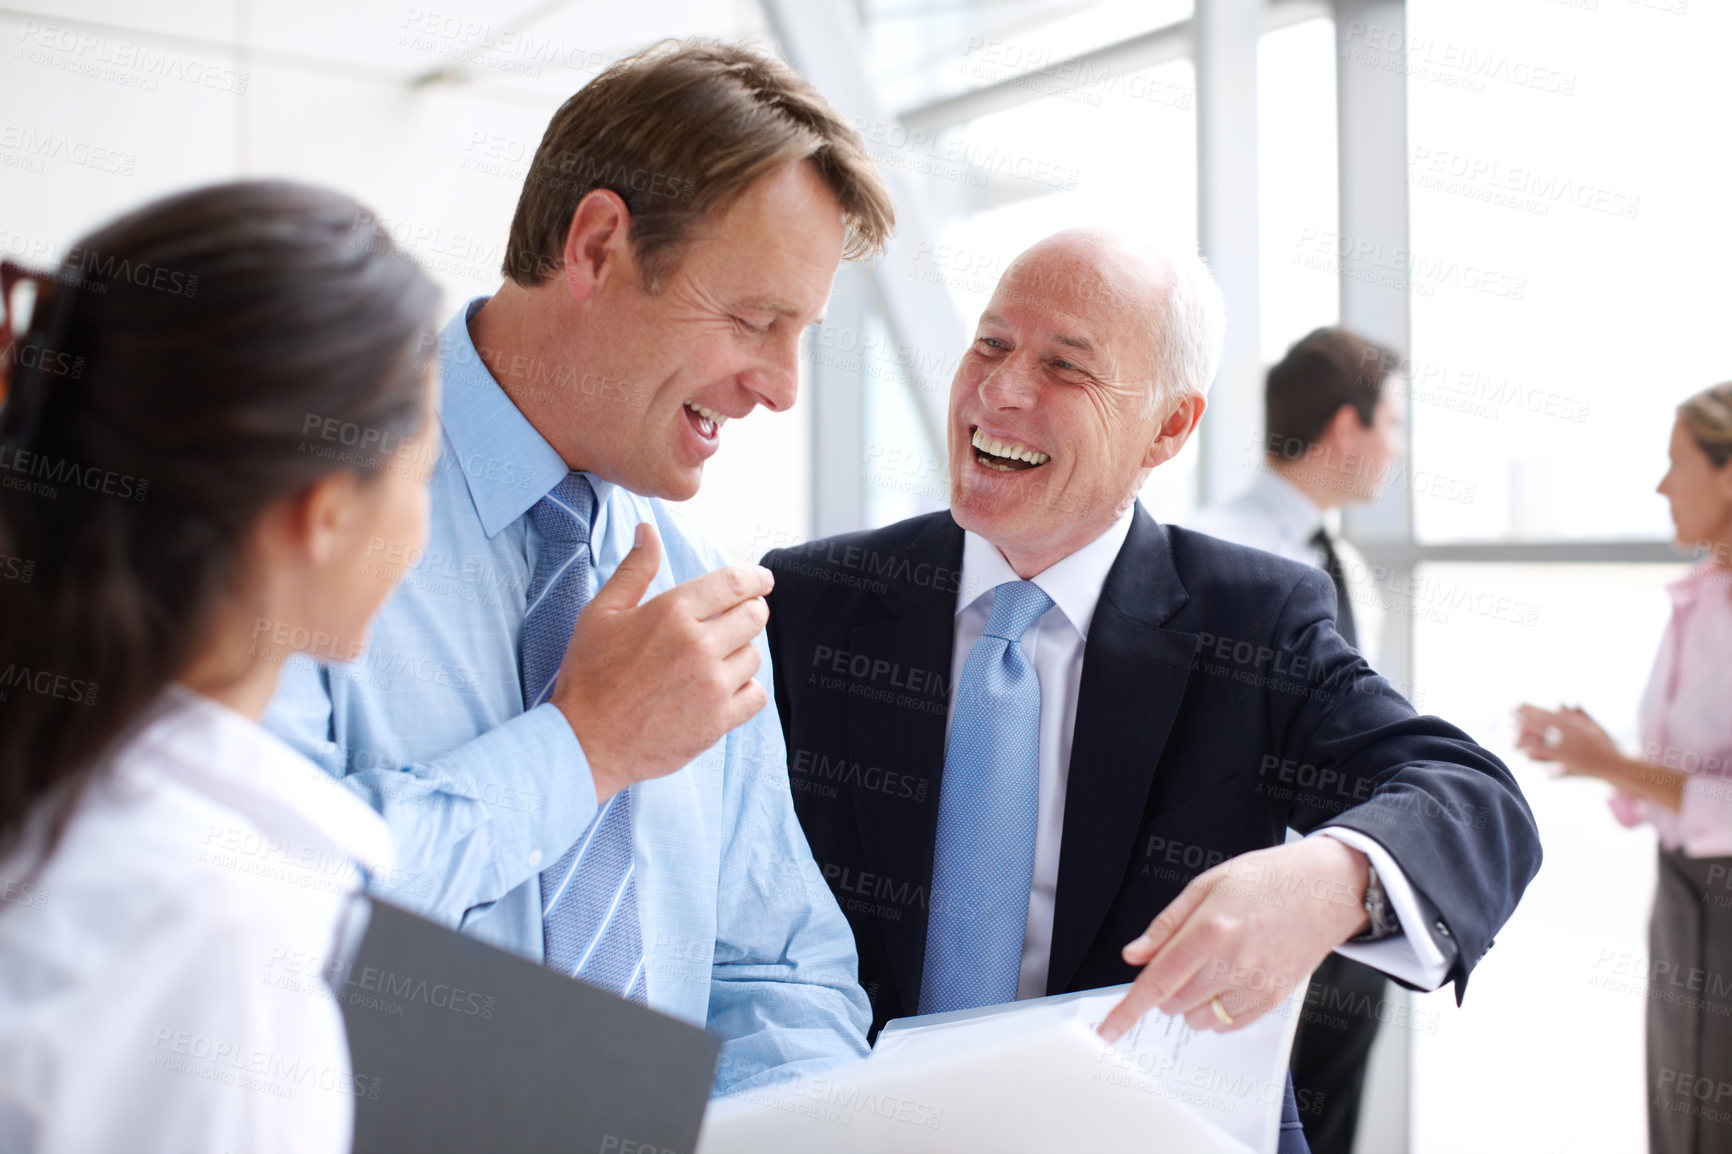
(161, 979)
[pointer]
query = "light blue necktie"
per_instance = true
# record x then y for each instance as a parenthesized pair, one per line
(988, 802)
(589, 922)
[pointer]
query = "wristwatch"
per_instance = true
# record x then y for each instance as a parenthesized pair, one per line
(1384, 923)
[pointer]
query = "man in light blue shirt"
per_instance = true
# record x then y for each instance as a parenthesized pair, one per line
(653, 293)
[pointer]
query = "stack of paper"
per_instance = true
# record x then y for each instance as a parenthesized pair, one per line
(1030, 1077)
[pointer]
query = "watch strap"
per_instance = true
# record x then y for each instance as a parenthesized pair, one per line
(1383, 922)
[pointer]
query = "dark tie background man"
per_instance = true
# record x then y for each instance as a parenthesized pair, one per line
(1332, 437)
(1183, 687)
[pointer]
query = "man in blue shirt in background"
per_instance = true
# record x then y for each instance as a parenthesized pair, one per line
(605, 791)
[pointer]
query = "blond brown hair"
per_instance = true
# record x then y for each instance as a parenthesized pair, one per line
(1707, 417)
(679, 131)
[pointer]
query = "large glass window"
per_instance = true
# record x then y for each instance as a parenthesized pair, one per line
(1121, 153)
(1554, 1014)
(1098, 145)
(1296, 172)
(1568, 238)
(1570, 241)
(922, 50)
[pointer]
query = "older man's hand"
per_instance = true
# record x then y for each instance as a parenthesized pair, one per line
(1248, 932)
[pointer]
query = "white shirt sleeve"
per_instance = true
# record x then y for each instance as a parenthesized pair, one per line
(1411, 955)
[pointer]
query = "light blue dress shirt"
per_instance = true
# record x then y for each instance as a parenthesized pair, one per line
(740, 932)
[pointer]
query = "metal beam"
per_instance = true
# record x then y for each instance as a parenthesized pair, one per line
(1371, 124)
(1371, 112)
(837, 404)
(1145, 50)
(1407, 554)
(1372, 129)
(1227, 35)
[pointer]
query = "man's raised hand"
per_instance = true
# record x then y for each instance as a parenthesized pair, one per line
(647, 687)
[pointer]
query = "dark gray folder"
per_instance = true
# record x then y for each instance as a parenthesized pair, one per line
(458, 1046)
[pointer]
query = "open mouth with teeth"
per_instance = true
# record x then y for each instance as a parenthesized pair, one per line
(1006, 456)
(708, 421)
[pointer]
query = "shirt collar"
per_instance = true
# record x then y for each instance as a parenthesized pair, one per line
(1074, 583)
(1294, 515)
(507, 465)
(1702, 581)
(210, 748)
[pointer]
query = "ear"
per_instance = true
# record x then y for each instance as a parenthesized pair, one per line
(597, 244)
(1176, 428)
(1344, 430)
(309, 526)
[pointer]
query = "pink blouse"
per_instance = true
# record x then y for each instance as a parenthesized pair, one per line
(1686, 717)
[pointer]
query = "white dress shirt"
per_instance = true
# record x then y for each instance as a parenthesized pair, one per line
(160, 973)
(1054, 647)
(1275, 516)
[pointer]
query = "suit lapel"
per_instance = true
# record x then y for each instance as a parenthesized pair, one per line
(898, 726)
(1133, 677)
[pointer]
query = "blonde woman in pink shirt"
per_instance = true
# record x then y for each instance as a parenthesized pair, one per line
(1682, 783)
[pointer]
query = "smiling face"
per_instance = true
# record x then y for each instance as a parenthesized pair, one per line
(1051, 430)
(663, 371)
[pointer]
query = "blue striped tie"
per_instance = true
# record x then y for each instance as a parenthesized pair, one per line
(988, 803)
(589, 922)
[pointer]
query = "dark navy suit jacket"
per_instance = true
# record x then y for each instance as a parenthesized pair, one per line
(1218, 707)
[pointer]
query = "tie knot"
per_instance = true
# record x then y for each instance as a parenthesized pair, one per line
(1015, 606)
(563, 515)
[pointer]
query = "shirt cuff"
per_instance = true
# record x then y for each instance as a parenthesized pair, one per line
(1411, 955)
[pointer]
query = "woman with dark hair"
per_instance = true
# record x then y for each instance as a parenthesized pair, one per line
(220, 407)
(1682, 784)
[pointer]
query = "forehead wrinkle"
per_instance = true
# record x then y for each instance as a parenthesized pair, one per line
(1080, 340)
(1126, 311)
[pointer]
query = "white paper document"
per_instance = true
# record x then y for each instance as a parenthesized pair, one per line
(1030, 1077)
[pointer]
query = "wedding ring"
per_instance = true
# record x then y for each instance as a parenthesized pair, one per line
(1221, 1013)
(1554, 737)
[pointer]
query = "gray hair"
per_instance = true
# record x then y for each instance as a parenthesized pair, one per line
(1191, 329)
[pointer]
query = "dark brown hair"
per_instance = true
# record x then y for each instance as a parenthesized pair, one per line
(1326, 369)
(1707, 417)
(679, 131)
(159, 402)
